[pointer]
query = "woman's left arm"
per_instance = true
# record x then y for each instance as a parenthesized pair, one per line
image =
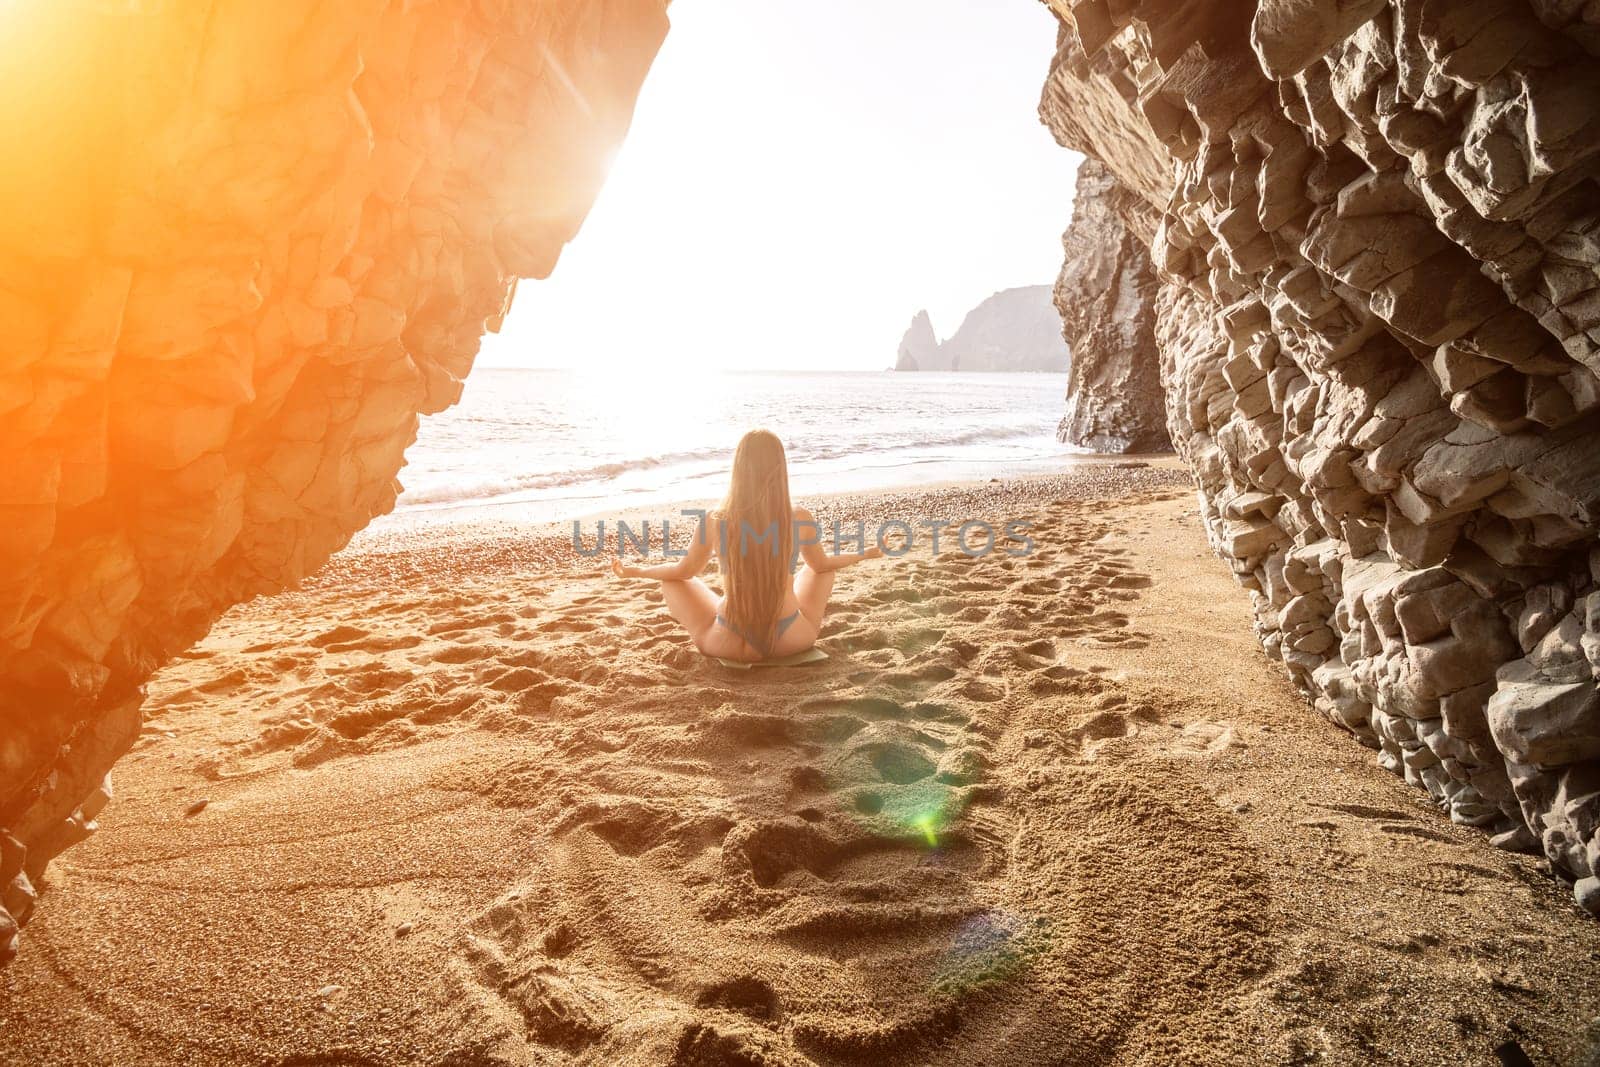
(809, 538)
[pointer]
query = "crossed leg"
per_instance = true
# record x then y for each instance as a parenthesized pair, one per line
(694, 605)
(811, 590)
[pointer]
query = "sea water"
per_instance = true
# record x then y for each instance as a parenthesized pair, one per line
(552, 444)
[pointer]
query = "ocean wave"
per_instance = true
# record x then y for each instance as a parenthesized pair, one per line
(489, 488)
(493, 487)
(975, 436)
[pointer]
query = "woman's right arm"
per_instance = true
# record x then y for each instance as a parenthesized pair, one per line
(681, 571)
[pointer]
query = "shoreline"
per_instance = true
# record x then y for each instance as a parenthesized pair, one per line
(477, 541)
(502, 512)
(490, 455)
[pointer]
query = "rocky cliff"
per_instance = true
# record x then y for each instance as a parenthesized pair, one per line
(919, 348)
(1106, 297)
(1377, 239)
(1013, 330)
(246, 246)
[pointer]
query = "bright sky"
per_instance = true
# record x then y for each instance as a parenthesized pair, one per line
(802, 177)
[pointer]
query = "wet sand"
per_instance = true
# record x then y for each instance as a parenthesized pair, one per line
(467, 802)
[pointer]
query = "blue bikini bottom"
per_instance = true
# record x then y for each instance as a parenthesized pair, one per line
(783, 624)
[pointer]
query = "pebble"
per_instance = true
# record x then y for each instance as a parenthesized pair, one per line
(9, 936)
(1510, 1054)
(403, 930)
(1586, 891)
(1420, 940)
(196, 808)
(1502, 980)
(331, 992)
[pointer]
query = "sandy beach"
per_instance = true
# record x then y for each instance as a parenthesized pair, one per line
(468, 802)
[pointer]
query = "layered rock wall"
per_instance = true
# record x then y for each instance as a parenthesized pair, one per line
(243, 247)
(1106, 297)
(1380, 334)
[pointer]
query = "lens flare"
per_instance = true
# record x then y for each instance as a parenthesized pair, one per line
(925, 813)
(988, 949)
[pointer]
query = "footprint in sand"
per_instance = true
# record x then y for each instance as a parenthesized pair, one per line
(465, 652)
(337, 635)
(1202, 738)
(814, 917)
(984, 692)
(1060, 679)
(461, 625)
(790, 878)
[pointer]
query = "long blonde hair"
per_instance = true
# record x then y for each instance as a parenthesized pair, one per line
(756, 572)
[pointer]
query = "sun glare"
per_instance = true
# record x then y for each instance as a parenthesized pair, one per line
(785, 195)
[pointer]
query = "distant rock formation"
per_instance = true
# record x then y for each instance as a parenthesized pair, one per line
(1013, 330)
(1106, 296)
(919, 349)
(242, 248)
(1378, 246)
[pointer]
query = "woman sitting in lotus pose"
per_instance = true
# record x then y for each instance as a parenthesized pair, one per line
(754, 534)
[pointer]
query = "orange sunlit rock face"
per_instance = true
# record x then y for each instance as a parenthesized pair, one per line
(243, 247)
